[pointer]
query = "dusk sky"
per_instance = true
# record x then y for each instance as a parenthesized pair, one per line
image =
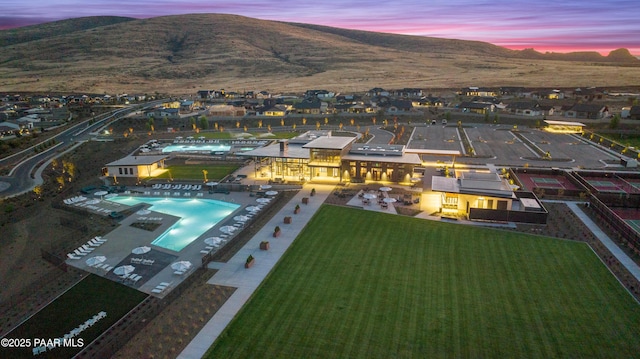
(560, 26)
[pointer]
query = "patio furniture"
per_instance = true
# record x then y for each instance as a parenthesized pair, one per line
(72, 256)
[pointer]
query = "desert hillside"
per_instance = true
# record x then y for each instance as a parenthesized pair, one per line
(181, 54)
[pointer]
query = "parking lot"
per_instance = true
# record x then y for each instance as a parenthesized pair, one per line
(436, 137)
(498, 145)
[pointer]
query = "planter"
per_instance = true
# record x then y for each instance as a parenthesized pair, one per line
(296, 211)
(250, 263)
(305, 200)
(287, 220)
(264, 245)
(276, 234)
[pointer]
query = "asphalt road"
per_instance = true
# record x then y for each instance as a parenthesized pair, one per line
(23, 178)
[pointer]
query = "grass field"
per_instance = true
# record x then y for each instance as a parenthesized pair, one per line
(86, 299)
(359, 284)
(191, 172)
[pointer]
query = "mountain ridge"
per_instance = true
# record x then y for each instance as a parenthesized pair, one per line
(184, 52)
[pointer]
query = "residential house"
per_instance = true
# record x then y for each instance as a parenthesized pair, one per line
(588, 94)
(525, 108)
(548, 94)
(512, 91)
(8, 128)
(428, 102)
(378, 91)
(408, 93)
(356, 107)
(162, 112)
(588, 111)
(272, 110)
(396, 106)
(311, 106)
(479, 91)
(187, 106)
(477, 107)
(320, 94)
(226, 110)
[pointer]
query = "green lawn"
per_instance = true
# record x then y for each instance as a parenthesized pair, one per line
(360, 284)
(194, 172)
(86, 299)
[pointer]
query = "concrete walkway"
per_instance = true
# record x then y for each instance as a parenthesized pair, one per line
(233, 273)
(627, 262)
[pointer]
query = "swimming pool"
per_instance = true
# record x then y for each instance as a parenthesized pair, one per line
(196, 147)
(196, 217)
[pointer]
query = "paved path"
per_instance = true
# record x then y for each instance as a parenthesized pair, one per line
(233, 273)
(611, 246)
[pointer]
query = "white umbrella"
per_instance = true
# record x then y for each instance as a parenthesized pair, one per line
(265, 186)
(143, 212)
(271, 193)
(390, 200)
(111, 195)
(141, 250)
(212, 241)
(385, 189)
(370, 196)
(124, 270)
(100, 193)
(211, 184)
(241, 218)
(228, 229)
(252, 209)
(178, 137)
(263, 200)
(95, 260)
(181, 266)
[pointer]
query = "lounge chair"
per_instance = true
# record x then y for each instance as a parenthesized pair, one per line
(72, 256)
(136, 260)
(108, 268)
(87, 248)
(79, 253)
(157, 290)
(100, 239)
(178, 272)
(93, 243)
(204, 251)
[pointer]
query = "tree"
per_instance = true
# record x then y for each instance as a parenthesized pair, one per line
(204, 124)
(615, 121)
(37, 190)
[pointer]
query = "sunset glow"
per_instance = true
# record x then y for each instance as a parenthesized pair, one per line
(559, 27)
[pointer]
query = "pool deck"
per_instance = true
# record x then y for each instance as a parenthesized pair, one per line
(125, 237)
(234, 274)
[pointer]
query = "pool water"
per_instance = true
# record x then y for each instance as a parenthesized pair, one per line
(196, 217)
(196, 147)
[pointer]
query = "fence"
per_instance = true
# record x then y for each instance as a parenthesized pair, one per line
(630, 237)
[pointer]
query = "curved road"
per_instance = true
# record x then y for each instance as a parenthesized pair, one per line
(20, 178)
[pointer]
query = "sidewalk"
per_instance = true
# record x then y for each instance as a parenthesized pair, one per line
(627, 262)
(233, 273)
